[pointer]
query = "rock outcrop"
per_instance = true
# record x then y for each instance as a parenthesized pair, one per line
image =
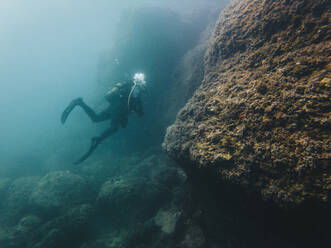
(262, 116)
(60, 189)
(127, 201)
(16, 199)
(66, 230)
(4, 185)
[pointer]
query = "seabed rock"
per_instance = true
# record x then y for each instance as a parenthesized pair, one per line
(167, 219)
(4, 186)
(131, 200)
(17, 203)
(60, 189)
(67, 230)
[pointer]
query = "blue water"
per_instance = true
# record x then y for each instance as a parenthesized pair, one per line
(53, 52)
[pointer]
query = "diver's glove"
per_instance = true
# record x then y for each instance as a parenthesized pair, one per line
(70, 107)
(94, 143)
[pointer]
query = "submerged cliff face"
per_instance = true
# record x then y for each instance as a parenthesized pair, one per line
(261, 117)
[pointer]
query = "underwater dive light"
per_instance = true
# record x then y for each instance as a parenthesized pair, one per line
(139, 78)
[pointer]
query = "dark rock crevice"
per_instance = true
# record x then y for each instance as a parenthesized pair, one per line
(231, 217)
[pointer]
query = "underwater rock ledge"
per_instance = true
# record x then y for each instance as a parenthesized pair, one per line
(262, 115)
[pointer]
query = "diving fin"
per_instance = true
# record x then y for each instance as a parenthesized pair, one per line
(94, 144)
(84, 157)
(68, 109)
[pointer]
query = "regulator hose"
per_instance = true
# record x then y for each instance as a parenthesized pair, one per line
(129, 98)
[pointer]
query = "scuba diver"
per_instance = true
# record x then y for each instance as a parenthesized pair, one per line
(123, 99)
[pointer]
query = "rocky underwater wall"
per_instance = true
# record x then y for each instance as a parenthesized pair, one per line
(261, 118)
(254, 141)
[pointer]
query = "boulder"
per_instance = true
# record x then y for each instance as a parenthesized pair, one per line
(131, 200)
(60, 189)
(4, 186)
(194, 238)
(261, 117)
(67, 230)
(17, 203)
(167, 219)
(28, 223)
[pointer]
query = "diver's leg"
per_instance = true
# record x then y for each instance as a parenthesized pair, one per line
(97, 140)
(69, 108)
(105, 115)
(108, 132)
(89, 111)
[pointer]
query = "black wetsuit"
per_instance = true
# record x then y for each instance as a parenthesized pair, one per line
(117, 112)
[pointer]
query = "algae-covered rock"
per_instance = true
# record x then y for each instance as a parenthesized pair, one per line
(193, 238)
(167, 219)
(4, 186)
(67, 230)
(17, 202)
(28, 223)
(261, 117)
(112, 239)
(20, 190)
(21, 234)
(60, 189)
(131, 200)
(7, 240)
(160, 170)
(144, 234)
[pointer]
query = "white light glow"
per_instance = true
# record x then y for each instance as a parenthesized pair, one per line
(139, 77)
